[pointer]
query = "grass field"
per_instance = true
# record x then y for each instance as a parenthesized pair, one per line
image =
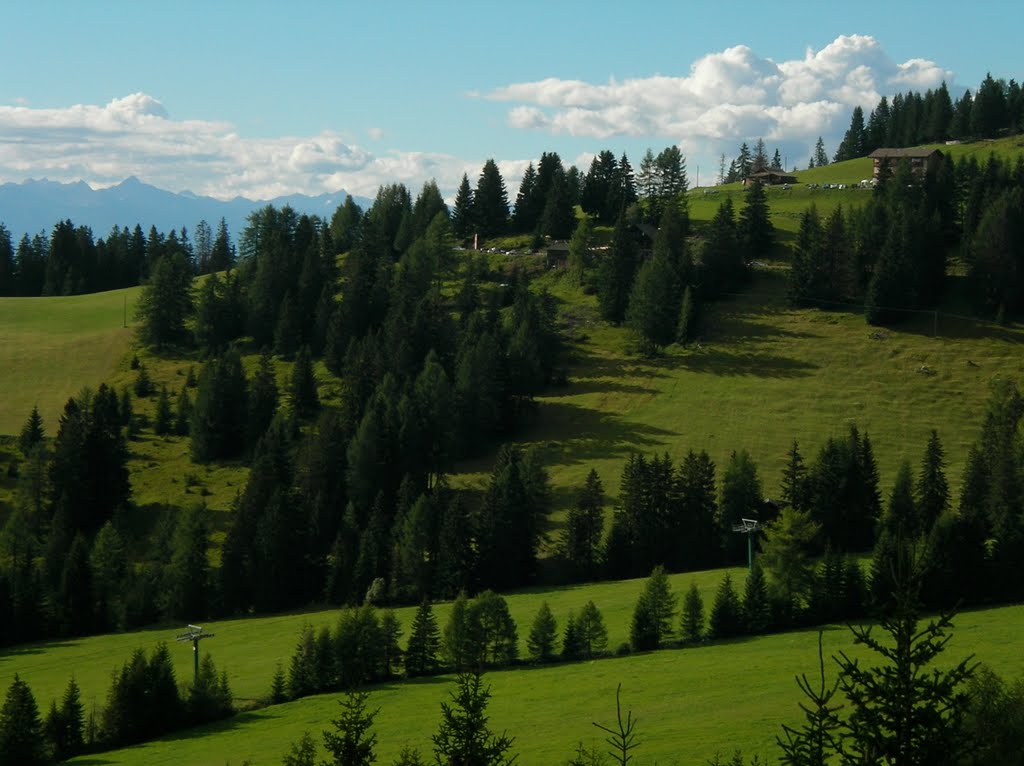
(249, 649)
(51, 347)
(689, 703)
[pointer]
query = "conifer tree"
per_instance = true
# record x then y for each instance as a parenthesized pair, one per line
(932, 489)
(580, 255)
(305, 398)
(757, 614)
(653, 613)
(727, 612)
(593, 635)
(21, 735)
(462, 214)
(583, 530)
(572, 642)
(424, 643)
(691, 626)
(490, 201)
(653, 310)
(757, 233)
(163, 421)
(32, 432)
(464, 736)
(543, 632)
(263, 399)
(352, 743)
(615, 274)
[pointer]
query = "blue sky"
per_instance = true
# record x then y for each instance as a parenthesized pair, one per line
(261, 98)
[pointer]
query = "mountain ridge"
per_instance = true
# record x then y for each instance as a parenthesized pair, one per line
(36, 204)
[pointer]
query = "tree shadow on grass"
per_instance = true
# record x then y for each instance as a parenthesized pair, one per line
(10, 653)
(720, 361)
(581, 435)
(259, 717)
(736, 328)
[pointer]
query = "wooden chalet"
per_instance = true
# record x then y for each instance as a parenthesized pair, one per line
(770, 177)
(885, 160)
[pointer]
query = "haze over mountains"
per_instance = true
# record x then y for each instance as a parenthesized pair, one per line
(36, 205)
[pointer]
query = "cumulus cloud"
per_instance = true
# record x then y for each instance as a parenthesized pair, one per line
(136, 135)
(730, 95)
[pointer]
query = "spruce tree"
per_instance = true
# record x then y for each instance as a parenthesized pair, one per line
(932, 489)
(543, 632)
(593, 634)
(572, 642)
(757, 233)
(421, 654)
(163, 421)
(691, 624)
(305, 399)
(727, 612)
(615, 274)
(757, 612)
(653, 613)
(464, 736)
(32, 432)
(21, 734)
(584, 527)
(653, 310)
(352, 743)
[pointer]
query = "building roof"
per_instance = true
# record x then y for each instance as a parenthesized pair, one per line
(913, 152)
(769, 173)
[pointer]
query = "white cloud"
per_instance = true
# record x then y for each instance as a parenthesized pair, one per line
(136, 135)
(727, 97)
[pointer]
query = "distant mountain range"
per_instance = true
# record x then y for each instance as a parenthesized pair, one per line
(33, 206)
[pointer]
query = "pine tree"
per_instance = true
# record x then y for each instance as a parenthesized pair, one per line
(32, 432)
(757, 613)
(263, 399)
(424, 643)
(691, 626)
(615, 274)
(543, 631)
(352, 742)
(163, 421)
(391, 631)
(463, 223)
(572, 642)
(653, 613)
(932, 489)
(757, 233)
(903, 708)
(593, 635)
(166, 302)
(653, 310)
(901, 519)
(820, 156)
(21, 735)
(490, 202)
(463, 736)
(727, 612)
(305, 398)
(583, 529)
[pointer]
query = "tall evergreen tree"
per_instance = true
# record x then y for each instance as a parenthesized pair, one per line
(305, 399)
(584, 527)
(615, 274)
(691, 626)
(421, 654)
(21, 735)
(490, 201)
(32, 432)
(756, 231)
(727, 611)
(463, 223)
(543, 632)
(166, 302)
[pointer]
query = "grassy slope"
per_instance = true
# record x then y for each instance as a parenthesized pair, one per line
(690, 703)
(249, 649)
(51, 347)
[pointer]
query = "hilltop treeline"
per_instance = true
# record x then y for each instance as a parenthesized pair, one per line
(72, 262)
(895, 252)
(912, 118)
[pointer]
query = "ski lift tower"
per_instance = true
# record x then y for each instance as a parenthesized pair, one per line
(748, 527)
(195, 635)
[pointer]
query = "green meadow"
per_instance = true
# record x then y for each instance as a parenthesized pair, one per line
(689, 703)
(249, 649)
(50, 348)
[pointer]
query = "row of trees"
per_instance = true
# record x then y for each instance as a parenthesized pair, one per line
(71, 261)
(892, 253)
(748, 162)
(910, 119)
(145, 701)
